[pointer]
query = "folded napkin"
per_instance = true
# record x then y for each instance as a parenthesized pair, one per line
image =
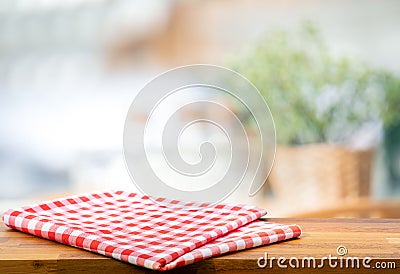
(133, 228)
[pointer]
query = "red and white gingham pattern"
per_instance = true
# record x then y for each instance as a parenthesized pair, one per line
(132, 228)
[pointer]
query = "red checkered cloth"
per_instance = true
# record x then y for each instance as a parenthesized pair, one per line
(133, 228)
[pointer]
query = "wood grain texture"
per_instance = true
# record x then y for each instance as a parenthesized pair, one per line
(375, 238)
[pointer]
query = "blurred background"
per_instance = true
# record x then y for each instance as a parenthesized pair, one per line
(329, 70)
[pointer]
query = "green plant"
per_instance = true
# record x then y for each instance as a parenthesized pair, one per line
(313, 96)
(391, 108)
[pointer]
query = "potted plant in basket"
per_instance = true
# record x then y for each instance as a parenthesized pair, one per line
(319, 103)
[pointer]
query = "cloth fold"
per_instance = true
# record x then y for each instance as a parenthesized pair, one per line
(133, 228)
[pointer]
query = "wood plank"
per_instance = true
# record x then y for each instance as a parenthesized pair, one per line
(375, 238)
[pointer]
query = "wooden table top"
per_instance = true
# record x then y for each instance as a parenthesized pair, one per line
(378, 239)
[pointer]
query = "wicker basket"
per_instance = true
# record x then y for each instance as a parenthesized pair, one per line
(321, 175)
